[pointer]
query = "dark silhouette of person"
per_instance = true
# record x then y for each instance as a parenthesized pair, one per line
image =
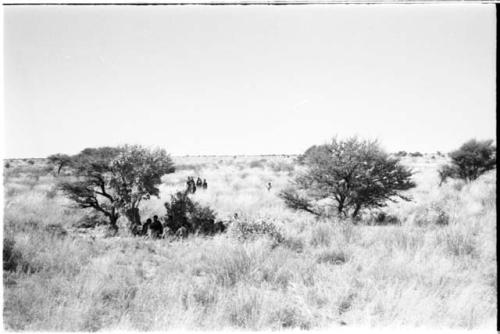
(269, 186)
(219, 227)
(199, 183)
(205, 185)
(156, 228)
(146, 226)
(191, 186)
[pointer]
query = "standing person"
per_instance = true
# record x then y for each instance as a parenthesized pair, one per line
(199, 183)
(191, 187)
(269, 186)
(156, 228)
(205, 185)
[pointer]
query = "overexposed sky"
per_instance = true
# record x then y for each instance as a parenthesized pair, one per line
(247, 79)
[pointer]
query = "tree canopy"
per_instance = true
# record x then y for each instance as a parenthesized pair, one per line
(353, 174)
(114, 180)
(471, 160)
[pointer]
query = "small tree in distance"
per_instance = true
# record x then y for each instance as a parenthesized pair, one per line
(60, 161)
(471, 160)
(354, 174)
(114, 180)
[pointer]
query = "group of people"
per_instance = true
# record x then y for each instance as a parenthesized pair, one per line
(191, 184)
(156, 230)
(152, 227)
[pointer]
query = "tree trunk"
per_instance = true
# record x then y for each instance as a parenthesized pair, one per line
(356, 211)
(133, 217)
(340, 207)
(113, 218)
(59, 169)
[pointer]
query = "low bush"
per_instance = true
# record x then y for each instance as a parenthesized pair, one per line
(258, 163)
(294, 243)
(11, 256)
(471, 160)
(336, 257)
(433, 214)
(243, 229)
(382, 218)
(281, 166)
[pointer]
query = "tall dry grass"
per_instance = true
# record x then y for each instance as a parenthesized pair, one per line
(436, 268)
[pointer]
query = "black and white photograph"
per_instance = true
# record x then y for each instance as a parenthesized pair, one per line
(258, 166)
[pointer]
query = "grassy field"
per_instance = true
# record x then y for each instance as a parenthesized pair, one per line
(435, 268)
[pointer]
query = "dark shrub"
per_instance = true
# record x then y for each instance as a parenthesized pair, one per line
(11, 256)
(471, 160)
(13, 259)
(182, 212)
(382, 218)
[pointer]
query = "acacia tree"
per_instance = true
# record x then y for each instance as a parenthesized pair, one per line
(59, 160)
(353, 174)
(114, 180)
(470, 161)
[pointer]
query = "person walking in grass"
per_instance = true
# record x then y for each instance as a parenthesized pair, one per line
(191, 186)
(205, 185)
